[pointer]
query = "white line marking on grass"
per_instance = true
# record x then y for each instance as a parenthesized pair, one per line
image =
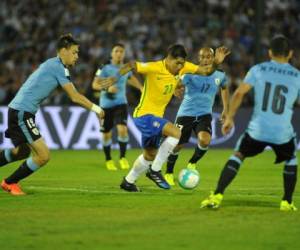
(160, 192)
(85, 190)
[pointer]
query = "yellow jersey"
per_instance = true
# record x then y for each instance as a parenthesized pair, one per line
(159, 87)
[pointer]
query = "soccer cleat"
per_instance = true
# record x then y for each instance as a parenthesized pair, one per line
(170, 179)
(129, 187)
(124, 164)
(110, 165)
(157, 177)
(286, 206)
(13, 189)
(213, 201)
(191, 166)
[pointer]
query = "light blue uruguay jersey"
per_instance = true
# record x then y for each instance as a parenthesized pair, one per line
(276, 88)
(200, 92)
(40, 84)
(109, 100)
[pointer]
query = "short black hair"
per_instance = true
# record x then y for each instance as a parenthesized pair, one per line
(66, 41)
(119, 45)
(177, 50)
(280, 45)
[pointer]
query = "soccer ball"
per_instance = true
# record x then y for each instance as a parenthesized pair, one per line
(188, 178)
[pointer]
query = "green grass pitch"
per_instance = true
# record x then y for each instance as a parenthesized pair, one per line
(75, 203)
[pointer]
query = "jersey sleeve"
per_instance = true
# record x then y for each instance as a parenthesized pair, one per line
(224, 81)
(62, 75)
(184, 79)
(145, 68)
(250, 77)
(189, 68)
(102, 72)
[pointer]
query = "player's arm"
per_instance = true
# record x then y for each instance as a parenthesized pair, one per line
(81, 100)
(100, 83)
(225, 102)
(134, 82)
(179, 90)
(220, 55)
(130, 66)
(234, 104)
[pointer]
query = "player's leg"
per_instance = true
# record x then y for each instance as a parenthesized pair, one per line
(204, 139)
(22, 130)
(121, 121)
(172, 134)
(246, 147)
(287, 152)
(185, 124)
(169, 175)
(15, 131)
(107, 141)
(202, 129)
(105, 128)
(14, 154)
(40, 156)
(140, 166)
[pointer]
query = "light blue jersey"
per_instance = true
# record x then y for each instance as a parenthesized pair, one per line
(200, 92)
(276, 88)
(40, 84)
(109, 100)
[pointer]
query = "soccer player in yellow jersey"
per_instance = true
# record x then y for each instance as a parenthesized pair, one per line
(161, 80)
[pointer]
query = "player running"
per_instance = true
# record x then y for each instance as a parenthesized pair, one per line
(22, 130)
(276, 87)
(161, 79)
(114, 103)
(195, 111)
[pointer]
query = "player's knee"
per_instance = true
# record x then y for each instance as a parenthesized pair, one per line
(204, 139)
(177, 133)
(204, 142)
(43, 158)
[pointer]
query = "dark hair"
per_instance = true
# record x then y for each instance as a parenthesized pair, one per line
(177, 50)
(66, 41)
(280, 46)
(119, 45)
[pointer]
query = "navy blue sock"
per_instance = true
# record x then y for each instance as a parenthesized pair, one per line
(198, 154)
(229, 172)
(171, 163)
(289, 181)
(27, 168)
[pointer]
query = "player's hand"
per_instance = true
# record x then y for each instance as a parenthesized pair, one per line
(112, 89)
(220, 54)
(101, 115)
(107, 82)
(179, 92)
(227, 126)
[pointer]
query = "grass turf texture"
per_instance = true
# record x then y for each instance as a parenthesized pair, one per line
(75, 203)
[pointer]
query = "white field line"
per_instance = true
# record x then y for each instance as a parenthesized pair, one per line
(95, 191)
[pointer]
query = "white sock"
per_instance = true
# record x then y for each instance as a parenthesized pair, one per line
(139, 167)
(163, 153)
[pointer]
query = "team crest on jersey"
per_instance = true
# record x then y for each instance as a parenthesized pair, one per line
(67, 73)
(156, 124)
(217, 81)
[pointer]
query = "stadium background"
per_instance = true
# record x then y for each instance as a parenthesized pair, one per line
(29, 29)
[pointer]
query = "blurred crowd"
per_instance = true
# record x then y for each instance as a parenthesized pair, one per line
(29, 30)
